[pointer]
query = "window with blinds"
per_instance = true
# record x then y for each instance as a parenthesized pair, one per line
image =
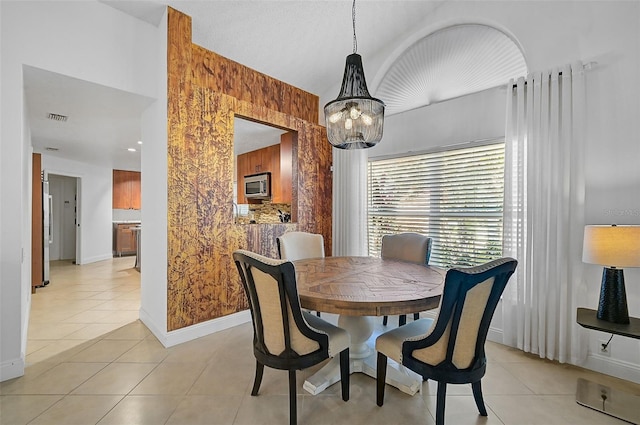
(454, 196)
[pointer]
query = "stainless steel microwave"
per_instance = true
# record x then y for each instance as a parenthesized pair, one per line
(257, 186)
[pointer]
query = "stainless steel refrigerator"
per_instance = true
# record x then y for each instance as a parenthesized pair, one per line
(47, 232)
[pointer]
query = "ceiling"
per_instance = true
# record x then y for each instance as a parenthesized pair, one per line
(303, 43)
(250, 135)
(102, 122)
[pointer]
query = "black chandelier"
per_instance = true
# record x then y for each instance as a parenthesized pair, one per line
(354, 120)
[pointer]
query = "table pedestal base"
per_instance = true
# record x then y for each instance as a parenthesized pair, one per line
(362, 360)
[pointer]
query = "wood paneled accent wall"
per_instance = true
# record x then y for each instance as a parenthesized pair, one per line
(205, 92)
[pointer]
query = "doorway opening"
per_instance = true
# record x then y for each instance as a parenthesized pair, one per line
(63, 243)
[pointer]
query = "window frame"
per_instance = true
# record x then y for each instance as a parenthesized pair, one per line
(493, 231)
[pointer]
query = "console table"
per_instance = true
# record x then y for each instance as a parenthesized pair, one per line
(599, 397)
(587, 318)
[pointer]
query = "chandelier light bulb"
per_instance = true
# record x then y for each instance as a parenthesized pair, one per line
(348, 124)
(354, 113)
(366, 119)
(335, 117)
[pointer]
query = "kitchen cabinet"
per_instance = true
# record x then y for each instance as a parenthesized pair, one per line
(265, 160)
(124, 239)
(275, 159)
(259, 161)
(271, 159)
(126, 190)
(242, 169)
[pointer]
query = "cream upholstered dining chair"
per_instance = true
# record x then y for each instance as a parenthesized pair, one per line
(450, 350)
(410, 247)
(284, 336)
(294, 246)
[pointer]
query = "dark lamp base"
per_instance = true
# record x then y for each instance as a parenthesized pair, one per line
(612, 306)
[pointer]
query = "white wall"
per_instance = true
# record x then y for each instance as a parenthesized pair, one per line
(95, 196)
(153, 296)
(553, 34)
(85, 40)
(465, 119)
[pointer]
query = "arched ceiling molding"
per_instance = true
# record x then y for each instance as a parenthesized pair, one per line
(448, 63)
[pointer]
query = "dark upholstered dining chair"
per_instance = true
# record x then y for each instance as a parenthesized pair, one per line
(410, 247)
(450, 350)
(294, 246)
(284, 336)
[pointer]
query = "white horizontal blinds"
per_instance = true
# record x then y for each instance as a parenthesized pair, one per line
(454, 196)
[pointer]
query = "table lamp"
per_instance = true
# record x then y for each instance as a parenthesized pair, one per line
(613, 247)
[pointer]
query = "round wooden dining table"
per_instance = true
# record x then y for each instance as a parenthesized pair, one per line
(357, 288)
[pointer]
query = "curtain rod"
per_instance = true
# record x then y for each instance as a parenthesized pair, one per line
(587, 67)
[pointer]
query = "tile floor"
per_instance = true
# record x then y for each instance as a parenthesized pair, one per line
(90, 361)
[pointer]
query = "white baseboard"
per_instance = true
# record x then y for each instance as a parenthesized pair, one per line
(495, 335)
(12, 369)
(169, 339)
(156, 330)
(613, 367)
(595, 362)
(96, 258)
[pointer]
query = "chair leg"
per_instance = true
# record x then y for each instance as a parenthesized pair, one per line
(440, 401)
(293, 411)
(344, 373)
(416, 316)
(381, 378)
(477, 395)
(258, 378)
(384, 320)
(402, 320)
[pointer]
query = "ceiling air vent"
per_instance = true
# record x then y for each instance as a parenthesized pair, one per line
(57, 117)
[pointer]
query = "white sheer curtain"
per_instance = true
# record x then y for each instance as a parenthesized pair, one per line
(349, 202)
(544, 213)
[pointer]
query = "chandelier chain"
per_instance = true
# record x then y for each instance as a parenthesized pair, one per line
(353, 17)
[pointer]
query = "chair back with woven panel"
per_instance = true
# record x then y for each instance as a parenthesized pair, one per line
(409, 247)
(294, 246)
(450, 349)
(284, 336)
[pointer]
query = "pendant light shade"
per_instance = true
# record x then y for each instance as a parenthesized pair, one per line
(354, 120)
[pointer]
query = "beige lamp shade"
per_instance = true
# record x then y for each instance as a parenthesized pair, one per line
(612, 246)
